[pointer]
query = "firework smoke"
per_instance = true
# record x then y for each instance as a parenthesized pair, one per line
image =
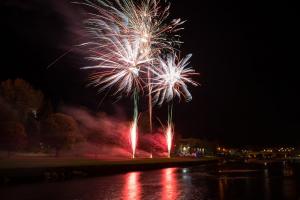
(105, 136)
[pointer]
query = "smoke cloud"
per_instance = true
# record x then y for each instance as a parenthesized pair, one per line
(108, 137)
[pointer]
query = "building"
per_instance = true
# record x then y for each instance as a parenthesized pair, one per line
(194, 147)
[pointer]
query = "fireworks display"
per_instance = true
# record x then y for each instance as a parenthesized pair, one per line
(125, 39)
(133, 46)
(171, 78)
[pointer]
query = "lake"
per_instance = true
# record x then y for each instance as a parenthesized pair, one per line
(208, 182)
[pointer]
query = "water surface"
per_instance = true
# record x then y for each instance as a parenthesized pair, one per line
(202, 182)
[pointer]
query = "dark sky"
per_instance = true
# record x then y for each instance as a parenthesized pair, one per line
(246, 51)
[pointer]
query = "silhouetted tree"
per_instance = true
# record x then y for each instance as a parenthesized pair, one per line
(33, 133)
(22, 96)
(46, 110)
(12, 136)
(60, 131)
(7, 113)
(25, 103)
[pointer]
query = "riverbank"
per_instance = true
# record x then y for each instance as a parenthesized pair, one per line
(18, 170)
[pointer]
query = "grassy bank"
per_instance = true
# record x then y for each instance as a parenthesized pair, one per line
(52, 169)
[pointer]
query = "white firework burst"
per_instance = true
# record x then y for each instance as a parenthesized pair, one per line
(171, 79)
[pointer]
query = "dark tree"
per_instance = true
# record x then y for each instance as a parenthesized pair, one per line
(23, 103)
(12, 136)
(22, 96)
(46, 110)
(33, 132)
(60, 131)
(7, 113)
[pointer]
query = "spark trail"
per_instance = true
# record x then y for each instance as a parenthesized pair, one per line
(169, 132)
(133, 130)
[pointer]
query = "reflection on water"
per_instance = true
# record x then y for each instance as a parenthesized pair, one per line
(132, 187)
(267, 184)
(221, 188)
(169, 184)
(204, 182)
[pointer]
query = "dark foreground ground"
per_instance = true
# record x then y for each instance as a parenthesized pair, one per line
(18, 170)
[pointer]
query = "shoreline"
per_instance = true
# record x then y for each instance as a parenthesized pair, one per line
(58, 169)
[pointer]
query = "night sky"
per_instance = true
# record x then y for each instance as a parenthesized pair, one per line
(246, 52)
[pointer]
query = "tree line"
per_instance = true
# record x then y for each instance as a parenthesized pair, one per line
(28, 121)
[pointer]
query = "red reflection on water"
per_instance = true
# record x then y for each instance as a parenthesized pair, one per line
(132, 187)
(221, 189)
(169, 184)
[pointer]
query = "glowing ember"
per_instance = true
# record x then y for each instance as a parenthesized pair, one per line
(169, 138)
(133, 138)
